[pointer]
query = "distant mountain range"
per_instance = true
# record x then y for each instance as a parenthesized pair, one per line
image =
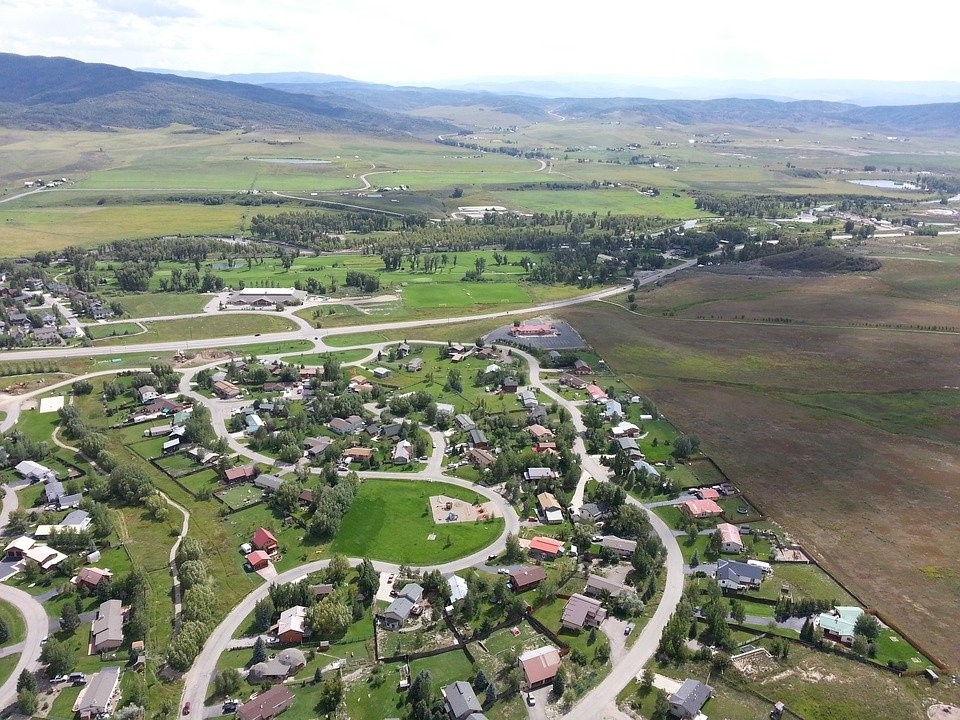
(43, 92)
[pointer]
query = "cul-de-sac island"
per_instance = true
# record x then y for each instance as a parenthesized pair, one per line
(339, 400)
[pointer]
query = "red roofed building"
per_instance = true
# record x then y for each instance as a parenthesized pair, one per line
(730, 541)
(698, 509)
(596, 393)
(539, 666)
(264, 540)
(258, 560)
(708, 494)
(540, 432)
(91, 577)
(239, 474)
(533, 330)
(547, 547)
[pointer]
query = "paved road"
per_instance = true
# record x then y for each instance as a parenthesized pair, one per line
(319, 334)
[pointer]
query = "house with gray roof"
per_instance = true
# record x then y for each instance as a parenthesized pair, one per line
(99, 696)
(106, 633)
(736, 575)
(689, 699)
(52, 491)
(621, 546)
(460, 701)
(267, 482)
(399, 611)
(478, 439)
(465, 422)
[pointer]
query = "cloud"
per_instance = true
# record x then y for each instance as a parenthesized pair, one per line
(149, 8)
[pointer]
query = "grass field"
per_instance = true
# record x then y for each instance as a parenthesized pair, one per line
(157, 304)
(318, 359)
(802, 417)
(198, 328)
(113, 330)
(16, 625)
(390, 520)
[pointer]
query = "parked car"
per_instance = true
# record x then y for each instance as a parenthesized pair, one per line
(628, 629)
(186, 709)
(531, 700)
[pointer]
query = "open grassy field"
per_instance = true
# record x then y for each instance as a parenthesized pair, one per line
(156, 304)
(390, 520)
(15, 624)
(197, 328)
(845, 434)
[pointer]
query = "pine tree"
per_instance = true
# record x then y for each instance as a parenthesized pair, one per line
(259, 651)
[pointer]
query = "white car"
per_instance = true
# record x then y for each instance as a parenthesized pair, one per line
(531, 700)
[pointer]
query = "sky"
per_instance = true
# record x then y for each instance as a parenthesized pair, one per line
(425, 41)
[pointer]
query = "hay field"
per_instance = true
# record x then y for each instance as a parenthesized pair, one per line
(847, 435)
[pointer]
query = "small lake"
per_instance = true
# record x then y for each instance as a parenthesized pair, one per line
(228, 265)
(890, 184)
(291, 161)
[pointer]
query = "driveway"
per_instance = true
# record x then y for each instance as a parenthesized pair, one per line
(539, 710)
(614, 629)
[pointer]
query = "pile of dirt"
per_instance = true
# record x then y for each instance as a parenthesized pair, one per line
(817, 259)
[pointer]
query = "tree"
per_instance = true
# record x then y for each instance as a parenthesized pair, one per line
(329, 618)
(27, 702)
(513, 553)
(69, 618)
(157, 507)
(860, 644)
(259, 651)
(193, 573)
(868, 626)
(331, 694)
(263, 614)
(646, 682)
(4, 631)
(57, 657)
(421, 689)
(368, 579)
(559, 684)
(737, 611)
(227, 682)
(337, 569)
(661, 706)
(27, 680)
(685, 445)
(480, 681)
(82, 387)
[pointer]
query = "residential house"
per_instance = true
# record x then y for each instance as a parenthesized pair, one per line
(321, 591)
(306, 498)
(316, 446)
(478, 439)
(100, 695)
(602, 587)
(380, 373)
(239, 474)
(735, 575)
(465, 422)
(527, 398)
(17, 549)
(158, 431)
(292, 625)
(287, 663)
(537, 414)
(621, 546)
(346, 426)
(258, 560)
(403, 349)
(45, 335)
(460, 701)
(264, 540)
(597, 394)
(69, 502)
(572, 381)
(146, 393)
(582, 611)
(480, 458)
(360, 454)
(527, 578)
(550, 508)
(839, 624)
(539, 666)
(581, 368)
(546, 547)
(91, 577)
(33, 471)
(707, 493)
(267, 482)
(540, 433)
(553, 356)
(689, 699)
(415, 365)
(402, 452)
(44, 557)
(75, 521)
(455, 349)
(538, 474)
(446, 409)
(267, 705)
(405, 604)
(641, 466)
(226, 390)
(53, 490)
(509, 385)
(730, 541)
(458, 587)
(491, 368)
(106, 633)
(624, 429)
(592, 512)
(390, 431)
(612, 408)
(628, 446)
(254, 423)
(546, 447)
(698, 509)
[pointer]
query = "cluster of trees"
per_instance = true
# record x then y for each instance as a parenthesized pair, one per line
(200, 605)
(191, 281)
(322, 231)
(505, 149)
(363, 281)
(332, 504)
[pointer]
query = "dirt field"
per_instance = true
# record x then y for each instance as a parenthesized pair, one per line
(444, 507)
(866, 482)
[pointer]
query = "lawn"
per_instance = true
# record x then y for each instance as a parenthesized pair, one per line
(240, 495)
(318, 359)
(111, 330)
(199, 481)
(390, 520)
(213, 326)
(16, 625)
(351, 339)
(160, 304)
(805, 580)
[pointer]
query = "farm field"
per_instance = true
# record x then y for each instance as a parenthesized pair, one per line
(390, 520)
(862, 499)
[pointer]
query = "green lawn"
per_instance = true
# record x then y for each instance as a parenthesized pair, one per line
(350, 339)
(15, 624)
(318, 359)
(240, 495)
(213, 326)
(390, 520)
(111, 330)
(159, 304)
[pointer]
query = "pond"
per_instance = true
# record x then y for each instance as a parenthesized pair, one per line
(891, 184)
